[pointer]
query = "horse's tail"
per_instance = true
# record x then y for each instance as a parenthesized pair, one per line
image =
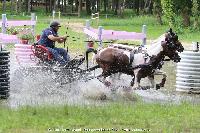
(89, 51)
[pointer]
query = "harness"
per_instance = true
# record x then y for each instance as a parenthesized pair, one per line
(131, 57)
(146, 55)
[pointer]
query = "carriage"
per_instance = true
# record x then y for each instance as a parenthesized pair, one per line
(64, 74)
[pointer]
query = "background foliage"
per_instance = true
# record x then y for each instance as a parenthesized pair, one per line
(188, 10)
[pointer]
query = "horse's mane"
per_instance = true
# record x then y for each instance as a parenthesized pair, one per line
(155, 46)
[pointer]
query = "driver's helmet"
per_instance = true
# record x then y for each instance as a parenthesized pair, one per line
(55, 24)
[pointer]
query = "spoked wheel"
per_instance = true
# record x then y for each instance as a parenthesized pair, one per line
(67, 76)
(76, 62)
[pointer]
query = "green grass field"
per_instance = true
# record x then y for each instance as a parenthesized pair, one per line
(153, 117)
(164, 118)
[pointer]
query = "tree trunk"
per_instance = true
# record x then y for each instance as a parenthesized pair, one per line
(88, 4)
(4, 6)
(157, 11)
(137, 6)
(81, 5)
(116, 6)
(61, 6)
(185, 16)
(79, 8)
(54, 5)
(51, 6)
(196, 22)
(46, 5)
(19, 6)
(113, 5)
(93, 3)
(28, 6)
(72, 6)
(105, 5)
(76, 5)
(98, 5)
(65, 6)
(148, 6)
(11, 7)
(31, 5)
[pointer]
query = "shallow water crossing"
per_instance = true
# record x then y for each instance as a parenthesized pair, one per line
(39, 87)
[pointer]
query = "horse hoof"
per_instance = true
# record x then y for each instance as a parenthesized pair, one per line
(107, 84)
(103, 97)
(158, 86)
(143, 88)
(147, 87)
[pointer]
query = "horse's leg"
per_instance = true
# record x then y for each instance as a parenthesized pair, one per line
(162, 83)
(163, 79)
(132, 81)
(102, 78)
(118, 75)
(139, 75)
(115, 77)
(152, 81)
(137, 79)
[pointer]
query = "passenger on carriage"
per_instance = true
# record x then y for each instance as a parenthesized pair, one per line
(48, 38)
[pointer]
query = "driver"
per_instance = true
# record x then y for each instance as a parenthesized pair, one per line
(48, 38)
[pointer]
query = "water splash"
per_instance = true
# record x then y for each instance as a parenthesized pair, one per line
(38, 86)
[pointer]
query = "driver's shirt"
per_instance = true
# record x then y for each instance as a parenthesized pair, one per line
(44, 40)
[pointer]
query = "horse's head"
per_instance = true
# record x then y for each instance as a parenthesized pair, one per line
(171, 46)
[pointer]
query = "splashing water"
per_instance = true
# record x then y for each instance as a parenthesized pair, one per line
(37, 86)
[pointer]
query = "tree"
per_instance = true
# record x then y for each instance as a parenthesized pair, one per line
(116, 6)
(196, 12)
(79, 7)
(105, 2)
(184, 9)
(4, 6)
(157, 11)
(168, 10)
(19, 6)
(88, 5)
(28, 6)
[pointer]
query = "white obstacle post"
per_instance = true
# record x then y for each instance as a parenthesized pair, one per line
(4, 19)
(195, 46)
(33, 19)
(144, 30)
(95, 16)
(100, 36)
(3, 29)
(87, 26)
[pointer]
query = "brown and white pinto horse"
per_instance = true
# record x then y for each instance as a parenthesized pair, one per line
(113, 60)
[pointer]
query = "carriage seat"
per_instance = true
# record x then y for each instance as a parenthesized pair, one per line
(42, 53)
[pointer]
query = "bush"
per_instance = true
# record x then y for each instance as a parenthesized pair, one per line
(8, 7)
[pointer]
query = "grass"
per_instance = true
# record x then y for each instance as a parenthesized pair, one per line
(153, 117)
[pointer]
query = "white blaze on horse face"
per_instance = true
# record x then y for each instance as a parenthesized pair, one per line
(155, 48)
(158, 40)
